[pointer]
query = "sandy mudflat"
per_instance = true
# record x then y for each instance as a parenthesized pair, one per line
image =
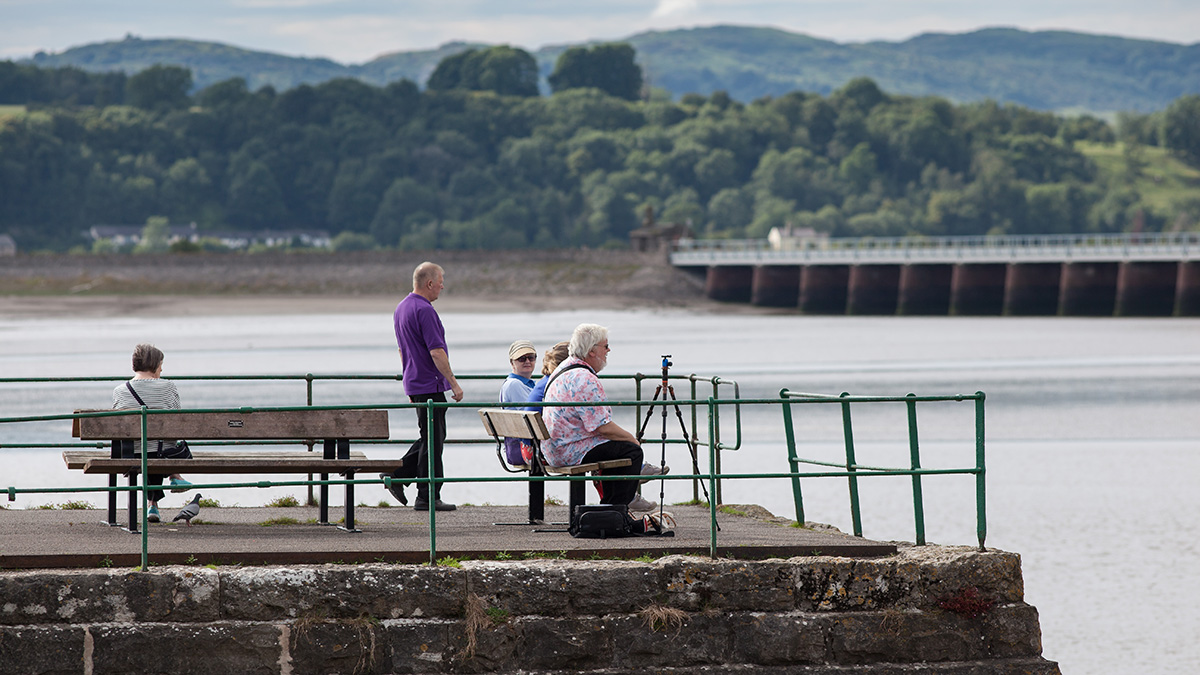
(57, 306)
(278, 283)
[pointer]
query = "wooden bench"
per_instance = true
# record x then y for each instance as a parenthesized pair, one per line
(333, 428)
(528, 425)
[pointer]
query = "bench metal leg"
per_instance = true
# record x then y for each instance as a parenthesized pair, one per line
(348, 526)
(134, 498)
(112, 502)
(578, 496)
(323, 506)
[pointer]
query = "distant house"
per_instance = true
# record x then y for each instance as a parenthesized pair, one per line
(8, 247)
(131, 235)
(791, 237)
(655, 236)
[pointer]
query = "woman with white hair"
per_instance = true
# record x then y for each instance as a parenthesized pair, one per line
(584, 434)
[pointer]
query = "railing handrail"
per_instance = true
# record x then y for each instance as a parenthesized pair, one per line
(851, 470)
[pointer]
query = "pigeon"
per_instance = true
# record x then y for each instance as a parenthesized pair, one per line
(190, 511)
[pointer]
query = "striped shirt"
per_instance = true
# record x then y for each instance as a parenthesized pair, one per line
(159, 394)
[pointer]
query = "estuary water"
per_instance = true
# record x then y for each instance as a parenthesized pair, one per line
(1092, 430)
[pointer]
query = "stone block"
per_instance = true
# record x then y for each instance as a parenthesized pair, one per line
(41, 649)
(1013, 631)
(910, 636)
(570, 644)
(779, 639)
(559, 587)
(342, 592)
(694, 584)
(419, 646)
(701, 639)
(353, 647)
(85, 596)
(187, 649)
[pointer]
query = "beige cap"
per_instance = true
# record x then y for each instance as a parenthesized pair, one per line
(520, 348)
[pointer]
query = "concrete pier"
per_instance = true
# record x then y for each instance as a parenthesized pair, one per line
(732, 283)
(873, 289)
(978, 290)
(1187, 289)
(823, 289)
(1031, 289)
(775, 286)
(1146, 288)
(924, 289)
(1088, 289)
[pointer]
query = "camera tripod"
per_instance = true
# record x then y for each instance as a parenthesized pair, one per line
(661, 393)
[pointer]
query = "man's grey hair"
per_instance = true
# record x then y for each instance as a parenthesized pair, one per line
(425, 272)
(585, 338)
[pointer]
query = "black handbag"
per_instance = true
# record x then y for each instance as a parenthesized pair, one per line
(601, 521)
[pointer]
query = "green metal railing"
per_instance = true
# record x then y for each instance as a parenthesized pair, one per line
(711, 407)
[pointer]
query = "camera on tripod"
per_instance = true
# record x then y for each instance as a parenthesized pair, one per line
(666, 361)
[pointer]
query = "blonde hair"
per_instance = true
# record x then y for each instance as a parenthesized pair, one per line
(554, 356)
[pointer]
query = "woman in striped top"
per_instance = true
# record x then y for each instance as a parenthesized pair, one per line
(158, 394)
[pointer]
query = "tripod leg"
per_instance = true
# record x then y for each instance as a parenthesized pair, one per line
(649, 411)
(691, 445)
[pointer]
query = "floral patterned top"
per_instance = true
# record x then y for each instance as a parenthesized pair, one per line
(573, 430)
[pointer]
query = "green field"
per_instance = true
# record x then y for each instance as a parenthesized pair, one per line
(1164, 183)
(11, 111)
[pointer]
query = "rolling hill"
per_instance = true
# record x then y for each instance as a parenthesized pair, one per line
(1047, 70)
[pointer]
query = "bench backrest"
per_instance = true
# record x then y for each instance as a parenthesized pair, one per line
(514, 423)
(259, 425)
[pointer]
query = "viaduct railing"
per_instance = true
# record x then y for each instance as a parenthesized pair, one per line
(1161, 246)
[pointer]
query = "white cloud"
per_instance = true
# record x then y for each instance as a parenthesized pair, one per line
(673, 7)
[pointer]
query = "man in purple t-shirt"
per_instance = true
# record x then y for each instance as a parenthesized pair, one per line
(427, 375)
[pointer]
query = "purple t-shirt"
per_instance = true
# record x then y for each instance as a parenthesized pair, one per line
(418, 330)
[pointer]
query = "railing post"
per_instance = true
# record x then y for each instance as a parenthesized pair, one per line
(790, 436)
(713, 485)
(308, 378)
(851, 466)
(145, 495)
(980, 494)
(915, 455)
(431, 493)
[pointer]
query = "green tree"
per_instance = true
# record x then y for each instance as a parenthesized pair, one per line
(508, 71)
(1181, 128)
(159, 88)
(611, 68)
(156, 236)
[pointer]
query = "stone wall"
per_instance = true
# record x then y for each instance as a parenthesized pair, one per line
(927, 609)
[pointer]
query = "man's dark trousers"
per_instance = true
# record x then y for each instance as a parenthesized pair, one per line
(416, 460)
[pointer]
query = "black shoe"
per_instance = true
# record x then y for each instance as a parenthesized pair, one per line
(397, 489)
(438, 505)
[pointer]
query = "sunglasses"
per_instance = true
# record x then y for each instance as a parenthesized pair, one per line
(528, 358)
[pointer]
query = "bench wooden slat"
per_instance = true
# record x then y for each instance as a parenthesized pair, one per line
(262, 425)
(242, 466)
(77, 459)
(514, 423)
(579, 469)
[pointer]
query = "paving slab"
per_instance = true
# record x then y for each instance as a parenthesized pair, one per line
(40, 538)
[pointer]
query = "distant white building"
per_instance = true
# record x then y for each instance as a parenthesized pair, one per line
(131, 235)
(790, 237)
(8, 247)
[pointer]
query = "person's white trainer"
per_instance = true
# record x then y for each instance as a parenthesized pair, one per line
(640, 503)
(651, 470)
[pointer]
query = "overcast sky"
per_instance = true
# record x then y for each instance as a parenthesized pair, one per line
(355, 31)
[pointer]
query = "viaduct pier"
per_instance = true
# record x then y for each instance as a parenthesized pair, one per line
(1033, 275)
